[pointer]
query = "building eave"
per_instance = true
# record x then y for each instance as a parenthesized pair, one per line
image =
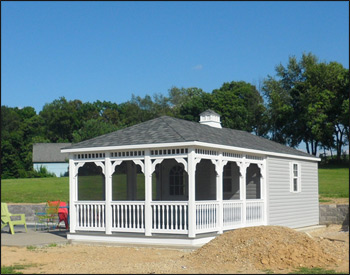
(187, 144)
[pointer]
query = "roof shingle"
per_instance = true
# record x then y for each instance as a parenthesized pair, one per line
(171, 130)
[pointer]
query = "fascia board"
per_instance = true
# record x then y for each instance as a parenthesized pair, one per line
(189, 143)
(254, 151)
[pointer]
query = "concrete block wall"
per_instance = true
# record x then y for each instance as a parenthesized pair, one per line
(329, 213)
(27, 209)
(334, 214)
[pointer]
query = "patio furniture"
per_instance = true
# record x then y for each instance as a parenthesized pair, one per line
(63, 214)
(6, 218)
(49, 218)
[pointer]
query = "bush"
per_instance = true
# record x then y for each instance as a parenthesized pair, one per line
(329, 162)
(41, 173)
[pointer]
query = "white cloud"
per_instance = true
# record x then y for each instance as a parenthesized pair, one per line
(198, 67)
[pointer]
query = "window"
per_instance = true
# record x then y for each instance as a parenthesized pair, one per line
(295, 178)
(176, 181)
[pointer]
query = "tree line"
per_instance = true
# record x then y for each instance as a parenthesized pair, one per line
(306, 101)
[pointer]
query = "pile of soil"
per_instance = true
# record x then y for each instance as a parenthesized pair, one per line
(248, 250)
(264, 248)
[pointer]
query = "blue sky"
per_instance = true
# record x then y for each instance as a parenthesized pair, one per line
(111, 50)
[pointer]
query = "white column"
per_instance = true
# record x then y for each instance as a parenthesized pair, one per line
(263, 188)
(243, 169)
(72, 194)
(108, 194)
(219, 167)
(191, 193)
(148, 193)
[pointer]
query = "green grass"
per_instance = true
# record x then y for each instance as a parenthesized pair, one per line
(34, 190)
(314, 270)
(13, 269)
(333, 182)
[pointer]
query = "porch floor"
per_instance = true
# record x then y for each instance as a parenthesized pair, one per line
(176, 241)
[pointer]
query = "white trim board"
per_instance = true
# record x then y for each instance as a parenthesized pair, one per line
(142, 240)
(187, 144)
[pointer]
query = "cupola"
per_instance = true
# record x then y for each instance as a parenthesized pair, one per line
(210, 118)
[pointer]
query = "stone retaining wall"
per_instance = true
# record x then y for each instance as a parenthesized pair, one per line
(27, 209)
(329, 213)
(334, 214)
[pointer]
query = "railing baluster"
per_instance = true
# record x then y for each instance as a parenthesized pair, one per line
(122, 216)
(171, 216)
(142, 211)
(176, 209)
(85, 218)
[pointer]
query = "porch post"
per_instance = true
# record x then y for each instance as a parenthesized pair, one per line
(243, 197)
(263, 188)
(191, 193)
(72, 194)
(108, 195)
(219, 169)
(148, 193)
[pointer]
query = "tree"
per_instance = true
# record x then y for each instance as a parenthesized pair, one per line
(332, 81)
(19, 129)
(62, 118)
(93, 128)
(302, 102)
(190, 102)
(241, 107)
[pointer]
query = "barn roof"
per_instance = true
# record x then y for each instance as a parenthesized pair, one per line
(49, 152)
(167, 129)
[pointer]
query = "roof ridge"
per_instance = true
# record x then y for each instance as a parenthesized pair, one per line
(162, 117)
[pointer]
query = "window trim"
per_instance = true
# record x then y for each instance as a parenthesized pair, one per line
(293, 177)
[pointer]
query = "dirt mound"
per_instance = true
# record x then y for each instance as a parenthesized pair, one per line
(264, 247)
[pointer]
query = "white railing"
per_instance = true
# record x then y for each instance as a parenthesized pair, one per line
(90, 215)
(254, 211)
(128, 216)
(207, 216)
(232, 214)
(170, 217)
(167, 216)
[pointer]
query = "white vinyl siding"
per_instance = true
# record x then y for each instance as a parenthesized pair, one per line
(288, 208)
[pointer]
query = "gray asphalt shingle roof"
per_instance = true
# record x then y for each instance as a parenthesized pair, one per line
(49, 152)
(170, 130)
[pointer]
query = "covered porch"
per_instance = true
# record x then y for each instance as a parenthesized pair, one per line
(186, 191)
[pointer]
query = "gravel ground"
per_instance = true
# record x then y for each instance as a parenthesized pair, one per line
(248, 250)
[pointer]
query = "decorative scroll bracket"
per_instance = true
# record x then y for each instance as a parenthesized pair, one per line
(184, 162)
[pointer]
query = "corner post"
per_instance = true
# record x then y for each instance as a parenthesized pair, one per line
(72, 194)
(219, 166)
(148, 193)
(243, 169)
(108, 194)
(191, 193)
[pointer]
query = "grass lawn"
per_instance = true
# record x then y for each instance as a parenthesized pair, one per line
(34, 190)
(333, 182)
